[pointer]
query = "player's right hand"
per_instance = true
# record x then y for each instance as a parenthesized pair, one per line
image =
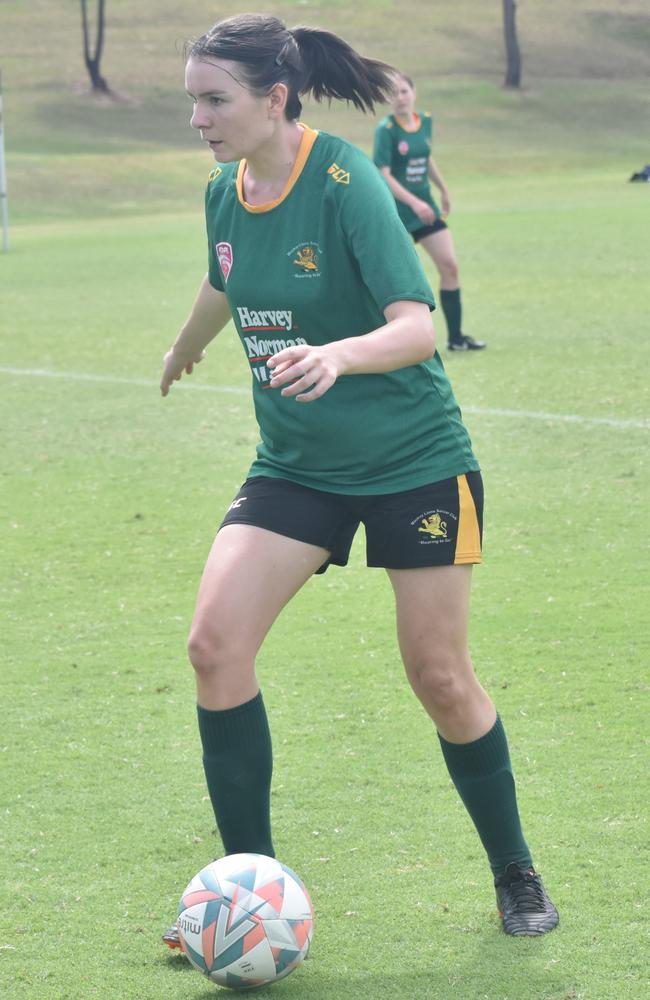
(424, 212)
(174, 367)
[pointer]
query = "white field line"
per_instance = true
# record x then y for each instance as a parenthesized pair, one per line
(567, 418)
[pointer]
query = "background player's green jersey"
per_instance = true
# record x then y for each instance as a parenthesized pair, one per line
(318, 265)
(406, 153)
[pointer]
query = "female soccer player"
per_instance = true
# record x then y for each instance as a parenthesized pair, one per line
(403, 155)
(358, 423)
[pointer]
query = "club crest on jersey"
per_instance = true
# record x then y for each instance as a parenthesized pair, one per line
(225, 258)
(403, 147)
(304, 257)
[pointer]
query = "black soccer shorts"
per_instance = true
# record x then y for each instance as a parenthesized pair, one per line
(440, 524)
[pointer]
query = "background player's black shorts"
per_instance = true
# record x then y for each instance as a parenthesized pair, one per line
(436, 227)
(440, 524)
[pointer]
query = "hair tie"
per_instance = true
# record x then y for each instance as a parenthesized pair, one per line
(284, 51)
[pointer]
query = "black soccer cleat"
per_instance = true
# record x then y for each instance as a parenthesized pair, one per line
(466, 343)
(171, 937)
(524, 907)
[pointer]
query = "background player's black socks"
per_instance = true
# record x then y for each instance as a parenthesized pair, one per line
(482, 774)
(238, 763)
(451, 307)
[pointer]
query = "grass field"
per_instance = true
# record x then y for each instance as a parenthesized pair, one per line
(109, 498)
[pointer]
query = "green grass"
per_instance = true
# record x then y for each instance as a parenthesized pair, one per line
(109, 497)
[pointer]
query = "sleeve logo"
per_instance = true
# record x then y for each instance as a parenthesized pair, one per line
(340, 175)
(225, 258)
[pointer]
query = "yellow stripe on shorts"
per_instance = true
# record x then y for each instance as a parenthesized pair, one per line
(468, 545)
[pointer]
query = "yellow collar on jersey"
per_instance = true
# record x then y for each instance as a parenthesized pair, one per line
(404, 123)
(306, 143)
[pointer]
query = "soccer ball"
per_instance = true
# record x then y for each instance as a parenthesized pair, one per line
(245, 920)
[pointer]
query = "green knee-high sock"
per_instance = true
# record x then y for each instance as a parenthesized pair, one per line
(453, 310)
(238, 763)
(482, 774)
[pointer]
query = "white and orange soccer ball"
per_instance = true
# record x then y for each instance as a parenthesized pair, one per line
(245, 920)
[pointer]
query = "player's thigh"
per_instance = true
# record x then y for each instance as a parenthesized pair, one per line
(432, 606)
(250, 575)
(440, 247)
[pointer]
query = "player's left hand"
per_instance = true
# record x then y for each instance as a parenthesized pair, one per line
(306, 372)
(445, 203)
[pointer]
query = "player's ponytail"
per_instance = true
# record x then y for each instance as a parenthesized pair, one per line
(307, 60)
(334, 70)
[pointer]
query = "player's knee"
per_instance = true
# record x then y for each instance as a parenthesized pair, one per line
(449, 272)
(207, 650)
(439, 682)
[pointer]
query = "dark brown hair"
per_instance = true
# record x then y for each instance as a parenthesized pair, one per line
(307, 60)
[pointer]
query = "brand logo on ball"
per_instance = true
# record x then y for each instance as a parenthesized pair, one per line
(403, 147)
(225, 258)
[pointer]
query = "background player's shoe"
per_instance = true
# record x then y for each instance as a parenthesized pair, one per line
(524, 907)
(171, 938)
(466, 343)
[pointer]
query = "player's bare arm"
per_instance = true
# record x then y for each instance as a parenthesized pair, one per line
(437, 179)
(209, 314)
(422, 209)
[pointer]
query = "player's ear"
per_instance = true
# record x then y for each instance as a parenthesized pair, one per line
(278, 100)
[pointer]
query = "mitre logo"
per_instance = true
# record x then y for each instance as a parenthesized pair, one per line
(340, 175)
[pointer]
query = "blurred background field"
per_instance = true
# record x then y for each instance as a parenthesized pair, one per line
(109, 497)
(583, 105)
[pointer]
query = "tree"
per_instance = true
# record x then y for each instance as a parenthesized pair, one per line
(93, 60)
(513, 54)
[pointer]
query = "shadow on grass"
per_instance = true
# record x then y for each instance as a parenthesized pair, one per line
(496, 969)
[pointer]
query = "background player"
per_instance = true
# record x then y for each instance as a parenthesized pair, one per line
(358, 423)
(403, 155)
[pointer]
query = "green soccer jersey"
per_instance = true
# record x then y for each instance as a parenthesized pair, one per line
(317, 265)
(406, 153)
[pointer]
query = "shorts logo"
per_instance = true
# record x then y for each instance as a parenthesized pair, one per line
(237, 503)
(225, 258)
(434, 527)
(403, 147)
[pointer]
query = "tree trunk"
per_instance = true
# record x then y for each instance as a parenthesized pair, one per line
(93, 60)
(513, 54)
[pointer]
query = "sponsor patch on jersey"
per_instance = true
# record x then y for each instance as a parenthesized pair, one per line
(214, 173)
(304, 258)
(225, 258)
(402, 147)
